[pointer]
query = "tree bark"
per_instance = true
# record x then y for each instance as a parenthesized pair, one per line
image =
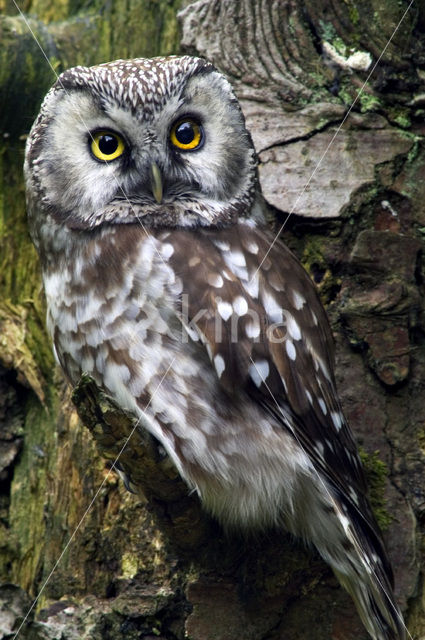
(342, 167)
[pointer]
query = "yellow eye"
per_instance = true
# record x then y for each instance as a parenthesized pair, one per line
(187, 134)
(106, 145)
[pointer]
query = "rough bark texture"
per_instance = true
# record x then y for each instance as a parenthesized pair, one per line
(153, 565)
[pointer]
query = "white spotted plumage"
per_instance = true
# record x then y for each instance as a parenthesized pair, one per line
(164, 284)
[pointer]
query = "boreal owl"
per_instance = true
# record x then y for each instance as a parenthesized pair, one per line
(165, 285)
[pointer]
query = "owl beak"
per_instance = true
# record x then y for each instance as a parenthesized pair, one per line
(156, 182)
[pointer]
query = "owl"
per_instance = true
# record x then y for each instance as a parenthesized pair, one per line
(165, 285)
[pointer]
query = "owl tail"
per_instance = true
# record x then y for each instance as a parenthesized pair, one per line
(373, 597)
(364, 571)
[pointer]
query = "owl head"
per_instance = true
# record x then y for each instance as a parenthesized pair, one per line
(160, 140)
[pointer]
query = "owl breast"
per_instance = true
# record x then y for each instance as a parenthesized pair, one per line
(116, 312)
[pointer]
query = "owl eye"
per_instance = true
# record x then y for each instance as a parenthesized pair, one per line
(106, 145)
(187, 134)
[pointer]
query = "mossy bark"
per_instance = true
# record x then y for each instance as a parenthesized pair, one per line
(152, 564)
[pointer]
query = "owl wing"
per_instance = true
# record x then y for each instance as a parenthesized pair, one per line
(267, 334)
(252, 304)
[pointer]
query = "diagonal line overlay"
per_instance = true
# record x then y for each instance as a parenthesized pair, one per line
(91, 503)
(324, 154)
(147, 234)
(326, 489)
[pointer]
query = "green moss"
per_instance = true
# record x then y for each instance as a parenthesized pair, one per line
(292, 25)
(19, 279)
(414, 151)
(313, 252)
(400, 116)
(21, 56)
(50, 10)
(354, 14)
(327, 31)
(376, 473)
(345, 92)
(317, 79)
(403, 120)
(317, 266)
(369, 102)
(28, 494)
(35, 339)
(340, 46)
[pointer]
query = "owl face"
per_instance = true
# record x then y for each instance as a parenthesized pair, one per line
(161, 140)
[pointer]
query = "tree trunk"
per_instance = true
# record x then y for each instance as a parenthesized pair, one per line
(347, 186)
